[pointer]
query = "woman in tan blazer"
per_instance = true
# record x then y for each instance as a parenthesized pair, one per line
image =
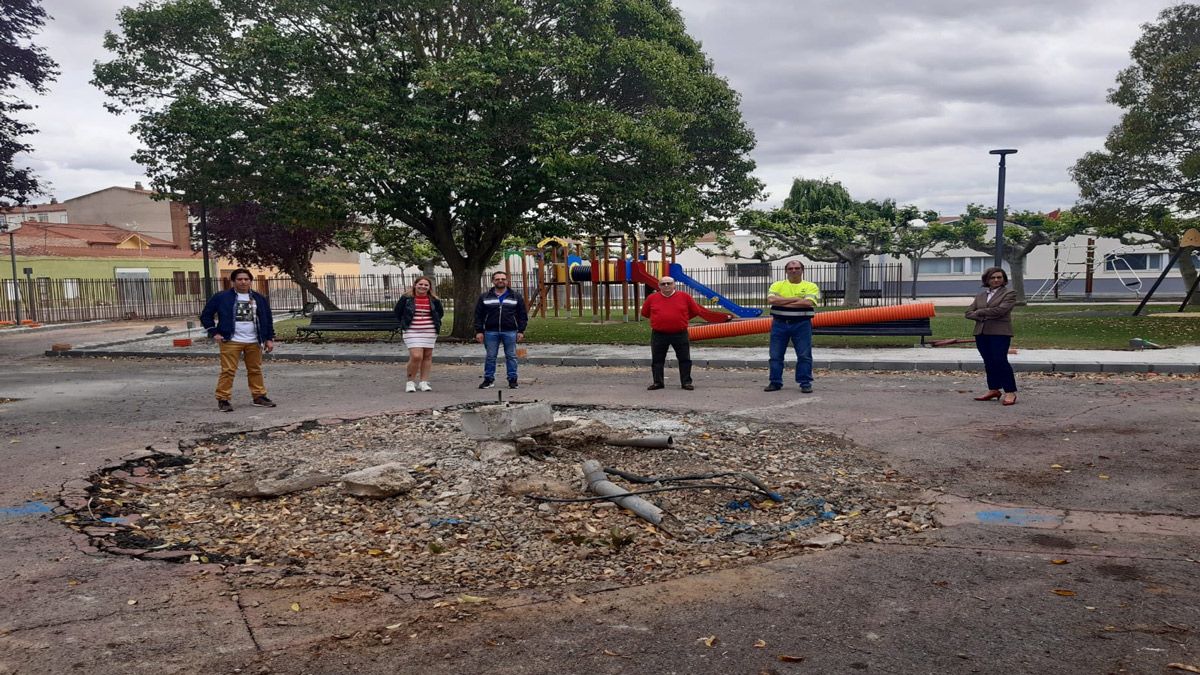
(992, 312)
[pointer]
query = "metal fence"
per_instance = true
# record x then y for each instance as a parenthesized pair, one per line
(64, 300)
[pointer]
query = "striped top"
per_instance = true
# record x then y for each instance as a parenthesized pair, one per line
(422, 317)
(786, 289)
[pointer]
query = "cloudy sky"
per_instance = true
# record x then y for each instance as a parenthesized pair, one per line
(896, 100)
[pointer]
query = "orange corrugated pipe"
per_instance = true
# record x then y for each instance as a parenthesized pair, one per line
(844, 317)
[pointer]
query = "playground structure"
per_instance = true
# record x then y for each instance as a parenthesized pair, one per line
(1113, 261)
(846, 317)
(616, 268)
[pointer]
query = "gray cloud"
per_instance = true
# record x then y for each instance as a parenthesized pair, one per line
(898, 100)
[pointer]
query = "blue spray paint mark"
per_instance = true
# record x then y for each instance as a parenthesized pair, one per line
(119, 520)
(1018, 517)
(26, 509)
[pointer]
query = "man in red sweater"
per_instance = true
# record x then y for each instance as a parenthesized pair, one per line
(669, 312)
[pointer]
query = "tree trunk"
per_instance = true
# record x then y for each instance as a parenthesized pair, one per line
(1016, 271)
(313, 290)
(466, 293)
(916, 269)
(1187, 268)
(854, 273)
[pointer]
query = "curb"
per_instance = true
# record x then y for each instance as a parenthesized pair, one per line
(605, 362)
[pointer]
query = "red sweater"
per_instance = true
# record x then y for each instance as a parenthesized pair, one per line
(670, 315)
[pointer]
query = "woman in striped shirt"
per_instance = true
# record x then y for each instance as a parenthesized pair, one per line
(420, 314)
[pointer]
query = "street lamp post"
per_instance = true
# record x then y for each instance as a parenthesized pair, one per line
(208, 286)
(12, 254)
(999, 262)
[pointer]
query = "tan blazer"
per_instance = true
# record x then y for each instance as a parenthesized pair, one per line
(995, 317)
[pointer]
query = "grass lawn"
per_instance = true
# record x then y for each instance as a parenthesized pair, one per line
(1038, 327)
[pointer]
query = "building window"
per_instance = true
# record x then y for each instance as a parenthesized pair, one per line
(179, 280)
(759, 269)
(387, 282)
(194, 283)
(70, 289)
(43, 217)
(959, 265)
(1135, 261)
(330, 283)
(370, 281)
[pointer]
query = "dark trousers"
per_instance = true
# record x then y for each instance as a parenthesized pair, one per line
(658, 355)
(994, 350)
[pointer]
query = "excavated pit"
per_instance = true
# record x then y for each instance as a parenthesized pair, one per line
(468, 525)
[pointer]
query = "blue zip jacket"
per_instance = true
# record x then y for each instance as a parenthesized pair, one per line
(508, 315)
(220, 306)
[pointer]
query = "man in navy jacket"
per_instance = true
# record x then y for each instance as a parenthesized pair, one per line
(239, 320)
(500, 318)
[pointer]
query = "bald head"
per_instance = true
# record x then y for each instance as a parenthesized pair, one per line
(666, 285)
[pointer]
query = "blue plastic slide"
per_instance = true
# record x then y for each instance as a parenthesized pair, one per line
(680, 277)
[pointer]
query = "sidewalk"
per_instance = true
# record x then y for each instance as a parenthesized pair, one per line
(1174, 360)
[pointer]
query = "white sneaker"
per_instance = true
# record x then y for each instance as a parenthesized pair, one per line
(424, 386)
(410, 387)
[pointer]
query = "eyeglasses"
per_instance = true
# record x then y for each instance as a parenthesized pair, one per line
(996, 276)
(666, 283)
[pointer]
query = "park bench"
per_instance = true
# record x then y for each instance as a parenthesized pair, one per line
(350, 321)
(913, 327)
(306, 310)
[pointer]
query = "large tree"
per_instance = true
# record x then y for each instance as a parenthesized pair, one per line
(253, 236)
(464, 121)
(21, 63)
(821, 221)
(1024, 231)
(1144, 187)
(918, 238)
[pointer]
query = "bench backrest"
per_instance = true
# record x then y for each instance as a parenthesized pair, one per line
(337, 317)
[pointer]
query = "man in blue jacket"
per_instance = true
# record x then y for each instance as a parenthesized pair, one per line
(244, 330)
(500, 317)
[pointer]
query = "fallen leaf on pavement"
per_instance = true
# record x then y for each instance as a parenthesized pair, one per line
(1060, 561)
(131, 602)
(471, 598)
(295, 607)
(1185, 667)
(609, 652)
(786, 658)
(708, 641)
(1063, 592)
(576, 598)
(760, 644)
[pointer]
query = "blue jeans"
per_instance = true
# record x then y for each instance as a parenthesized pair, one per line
(491, 342)
(799, 334)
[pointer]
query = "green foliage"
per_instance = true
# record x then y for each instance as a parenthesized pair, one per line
(461, 122)
(1150, 165)
(1144, 187)
(1024, 231)
(821, 221)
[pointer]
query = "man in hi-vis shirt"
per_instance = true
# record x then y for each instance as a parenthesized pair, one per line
(239, 320)
(793, 303)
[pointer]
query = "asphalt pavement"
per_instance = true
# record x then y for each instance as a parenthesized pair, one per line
(1067, 533)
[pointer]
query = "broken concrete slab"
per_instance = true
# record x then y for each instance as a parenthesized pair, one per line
(824, 540)
(385, 480)
(506, 422)
(275, 487)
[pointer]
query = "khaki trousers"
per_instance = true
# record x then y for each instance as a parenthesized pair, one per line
(231, 352)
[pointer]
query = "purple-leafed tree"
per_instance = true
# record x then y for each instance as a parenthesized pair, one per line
(20, 63)
(250, 235)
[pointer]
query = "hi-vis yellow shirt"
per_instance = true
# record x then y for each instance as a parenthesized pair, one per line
(786, 289)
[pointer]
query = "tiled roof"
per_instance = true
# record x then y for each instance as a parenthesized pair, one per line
(100, 252)
(35, 208)
(92, 234)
